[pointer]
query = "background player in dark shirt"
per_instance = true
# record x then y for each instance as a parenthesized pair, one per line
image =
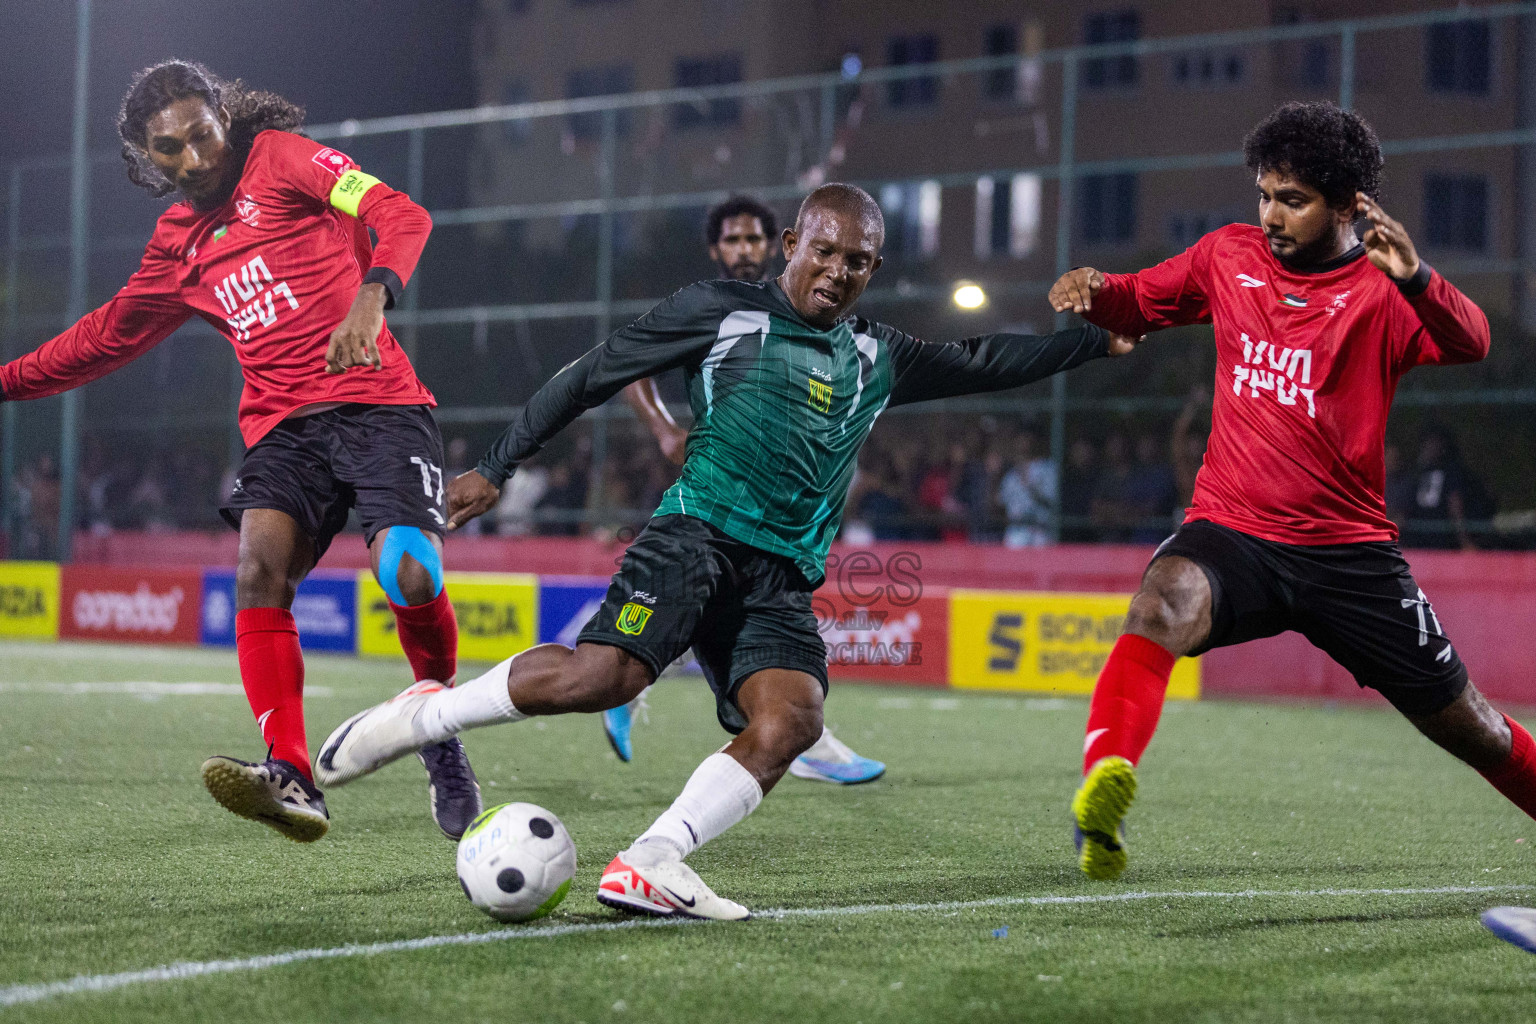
(784, 386)
(742, 235)
(1288, 528)
(269, 244)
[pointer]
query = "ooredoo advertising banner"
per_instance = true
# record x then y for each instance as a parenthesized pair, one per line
(29, 600)
(1044, 641)
(150, 606)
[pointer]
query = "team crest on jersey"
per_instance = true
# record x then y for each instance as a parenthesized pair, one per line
(247, 210)
(821, 395)
(632, 619)
(333, 161)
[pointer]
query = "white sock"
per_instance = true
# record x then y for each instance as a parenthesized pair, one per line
(481, 701)
(718, 795)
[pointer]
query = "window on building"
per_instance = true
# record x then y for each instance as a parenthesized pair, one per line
(598, 81)
(913, 92)
(1001, 83)
(1305, 63)
(1111, 27)
(520, 130)
(1106, 207)
(912, 210)
(1007, 215)
(1205, 68)
(698, 72)
(1457, 57)
(1456, 211)
(1189, 226)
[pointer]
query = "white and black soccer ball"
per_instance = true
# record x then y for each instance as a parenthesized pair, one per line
(516, 862)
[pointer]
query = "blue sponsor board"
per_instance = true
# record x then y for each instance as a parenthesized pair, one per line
(565, 605)
(325, 610)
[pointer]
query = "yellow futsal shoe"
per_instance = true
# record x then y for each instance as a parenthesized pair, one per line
(1098, 817)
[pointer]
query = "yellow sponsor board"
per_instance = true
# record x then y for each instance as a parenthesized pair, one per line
(1042, 641)
(497, 613)
(29, 600)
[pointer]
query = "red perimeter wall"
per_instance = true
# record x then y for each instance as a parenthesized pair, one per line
(1485, 600)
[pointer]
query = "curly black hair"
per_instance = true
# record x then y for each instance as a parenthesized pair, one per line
(251, 112)
(1332, 150)
(735, 207)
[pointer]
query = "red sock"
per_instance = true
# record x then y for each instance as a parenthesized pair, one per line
(1516, 777)
(272, 669)
(429, 633)
(1127, 700)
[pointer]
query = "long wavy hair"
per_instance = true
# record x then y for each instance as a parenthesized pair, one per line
(251, 112)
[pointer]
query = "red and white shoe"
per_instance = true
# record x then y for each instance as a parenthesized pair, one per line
(668, 888)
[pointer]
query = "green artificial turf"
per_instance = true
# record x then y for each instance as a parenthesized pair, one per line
(113, 859)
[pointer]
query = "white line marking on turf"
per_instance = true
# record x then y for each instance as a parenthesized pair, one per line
(147, 688)
(16, 995)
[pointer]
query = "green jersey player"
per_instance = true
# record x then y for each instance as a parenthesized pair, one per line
(742, 240)
(785, 387)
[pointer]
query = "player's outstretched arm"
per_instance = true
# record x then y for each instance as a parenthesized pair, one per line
(678, 332)
(645, 399)
(992, 362)
(1453, 330)
(140, 316)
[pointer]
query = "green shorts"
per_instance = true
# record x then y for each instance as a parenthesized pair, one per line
(684, 584)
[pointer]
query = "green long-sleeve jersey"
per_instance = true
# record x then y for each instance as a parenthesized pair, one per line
(781, 407)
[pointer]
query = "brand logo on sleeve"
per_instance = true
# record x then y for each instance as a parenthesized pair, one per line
(333, 161)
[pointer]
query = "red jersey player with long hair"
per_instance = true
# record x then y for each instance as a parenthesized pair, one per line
(1288, 528)
(269, 243)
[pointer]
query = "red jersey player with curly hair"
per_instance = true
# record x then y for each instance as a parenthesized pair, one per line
(1288, 528)
(269, 243)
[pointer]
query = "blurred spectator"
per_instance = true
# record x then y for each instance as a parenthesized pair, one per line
(1150, 492)
(1401, 486)
(1446, 498)
(881, 507)
(1191, 433)
(1080, 481)
(566, 494)
(1114, 514)
(1029, 493)
(978, 494)
(37, 508)
(519, 496)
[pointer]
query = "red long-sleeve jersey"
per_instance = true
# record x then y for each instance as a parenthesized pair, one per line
(1306, 367)
(274, 270)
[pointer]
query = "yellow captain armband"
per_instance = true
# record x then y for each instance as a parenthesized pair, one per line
(349, 190)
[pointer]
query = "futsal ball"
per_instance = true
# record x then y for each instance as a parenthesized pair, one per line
(516, 862)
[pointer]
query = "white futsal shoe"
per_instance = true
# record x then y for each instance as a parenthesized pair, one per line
(371, 739)
(668, 888)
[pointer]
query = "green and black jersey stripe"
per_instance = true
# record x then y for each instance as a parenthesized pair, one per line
(780, 407)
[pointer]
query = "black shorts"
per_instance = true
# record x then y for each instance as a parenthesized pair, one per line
(1358, 603)
(384, 460)
(684, 583)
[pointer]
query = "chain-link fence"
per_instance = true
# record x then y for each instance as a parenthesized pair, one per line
(558, 221)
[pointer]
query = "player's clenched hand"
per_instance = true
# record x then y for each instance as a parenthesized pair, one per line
(1121, 344)
(469, 495)
(1073, 292)
(356, 341)
(1387, 245)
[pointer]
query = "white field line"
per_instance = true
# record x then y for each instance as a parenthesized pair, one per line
(147, 688)
(16, 995)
